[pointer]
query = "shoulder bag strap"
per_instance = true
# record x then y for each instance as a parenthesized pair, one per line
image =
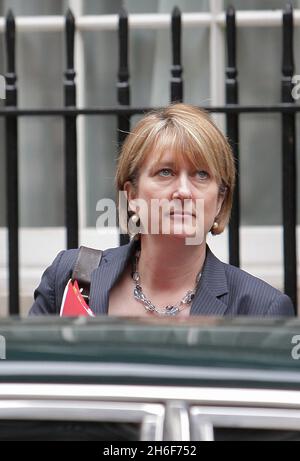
(88, 259)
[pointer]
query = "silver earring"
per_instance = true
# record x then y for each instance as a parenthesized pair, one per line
(134, 218)
(214, 226)
(133, 228)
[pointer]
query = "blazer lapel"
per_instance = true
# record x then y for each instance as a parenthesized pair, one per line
(212, 286)
(213, 282)
(104, 277)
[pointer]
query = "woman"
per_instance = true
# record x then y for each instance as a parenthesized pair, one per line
(177, 160)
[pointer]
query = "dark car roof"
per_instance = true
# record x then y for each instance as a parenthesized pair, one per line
(194, 351)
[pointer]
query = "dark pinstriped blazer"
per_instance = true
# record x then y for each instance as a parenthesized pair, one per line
(223, 289)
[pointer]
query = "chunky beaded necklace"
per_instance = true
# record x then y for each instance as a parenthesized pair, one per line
(170, 309)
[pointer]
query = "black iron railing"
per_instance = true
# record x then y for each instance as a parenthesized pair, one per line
(176, 69)
(232, 122)
(123, 111)
(123, 88)
(11, 147)
(289, 192)
(71, 189)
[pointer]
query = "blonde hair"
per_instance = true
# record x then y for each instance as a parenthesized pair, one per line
(191, 135)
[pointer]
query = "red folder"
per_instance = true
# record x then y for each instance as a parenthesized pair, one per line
(73, 303)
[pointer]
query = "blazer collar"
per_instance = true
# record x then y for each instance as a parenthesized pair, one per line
(212, 285)
(103, 278)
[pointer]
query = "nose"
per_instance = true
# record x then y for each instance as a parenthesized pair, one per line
(183, 187)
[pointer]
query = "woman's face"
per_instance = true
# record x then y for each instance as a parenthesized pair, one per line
(176, 200)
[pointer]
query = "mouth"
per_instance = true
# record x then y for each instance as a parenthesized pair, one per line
(181, 214)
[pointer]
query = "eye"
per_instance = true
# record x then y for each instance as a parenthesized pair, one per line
(165, 172)
(202, 174)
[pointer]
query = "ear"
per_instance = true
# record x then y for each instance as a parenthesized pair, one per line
(221, 198)
(130, 191)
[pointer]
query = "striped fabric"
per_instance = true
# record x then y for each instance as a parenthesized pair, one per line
(223, 289)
